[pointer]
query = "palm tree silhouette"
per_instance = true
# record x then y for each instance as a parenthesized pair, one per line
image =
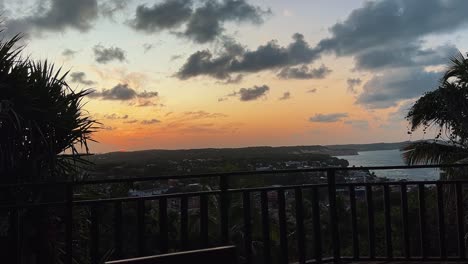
(445, 109)
(44, 134)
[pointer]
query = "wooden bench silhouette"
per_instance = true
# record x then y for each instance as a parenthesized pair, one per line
(218, 255)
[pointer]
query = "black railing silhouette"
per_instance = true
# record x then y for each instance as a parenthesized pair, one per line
(321, 240)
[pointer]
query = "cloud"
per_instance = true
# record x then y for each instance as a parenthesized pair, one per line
(122, 92)
(206, 22)
(150, 121)
(104, 55)
(388, 38)
(388, 33)
(133, 121)
(360, 124)
(80, 77)
(110, 7)
(303, 72)
(147, 47)
(202, 24)
(405, 55)
(146, 103)
(69, 53)
(147, 95)
(169, 14)
(59, 16)
(235, 59)
(384, 91)
(286, 96)
(328, 118)
(176, 57)
(249, 94)
(352, 83)
(389, 22)
(115, 116)
(234, 80)
(192, 115)
(400, 114)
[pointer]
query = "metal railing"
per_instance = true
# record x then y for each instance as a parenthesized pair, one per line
(306, 223)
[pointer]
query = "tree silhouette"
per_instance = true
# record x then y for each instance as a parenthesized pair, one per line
(445, 109)
(44, 134)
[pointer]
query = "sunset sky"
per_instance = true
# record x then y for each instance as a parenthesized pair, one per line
(177, 74)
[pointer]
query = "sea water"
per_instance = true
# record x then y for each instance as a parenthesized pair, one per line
(390, 158)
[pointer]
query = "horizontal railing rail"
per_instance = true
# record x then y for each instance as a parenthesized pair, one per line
(304, 223)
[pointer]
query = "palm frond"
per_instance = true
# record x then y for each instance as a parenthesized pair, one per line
(437, 152)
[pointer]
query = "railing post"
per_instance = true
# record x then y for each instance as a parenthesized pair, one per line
(69, 224)
(331, 177)
(15, 233)
(460, 221)
(224, 208)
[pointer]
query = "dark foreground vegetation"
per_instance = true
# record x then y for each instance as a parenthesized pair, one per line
(291, 204)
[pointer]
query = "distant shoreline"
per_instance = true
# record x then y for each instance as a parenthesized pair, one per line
(332, 150)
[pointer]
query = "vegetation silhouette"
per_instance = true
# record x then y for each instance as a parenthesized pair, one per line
(43, 137)
(445, 109)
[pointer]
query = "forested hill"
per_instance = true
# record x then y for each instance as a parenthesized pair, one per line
(230, 153)
(247, 152)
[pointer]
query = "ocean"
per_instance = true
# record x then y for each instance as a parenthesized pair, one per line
(390, 158)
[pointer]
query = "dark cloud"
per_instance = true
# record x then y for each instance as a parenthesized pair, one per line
(146, 103)
(234, 80)
(303, 72)
(59, 16)
(202, 24)
(122, 92)
(389, 22)
(328, 118)
(405, 55)
(384, 91)
(169, 14)
(352, 83)
(80, 77)
(150, 121)
(176, 57)
(147, 47)
(254, 93)
(147, 95)
(286, 96)
(110, 7)
(248, 94)
(206, 22)
(388, 37)
(69, 53)
(104, 55)
(235, 59)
